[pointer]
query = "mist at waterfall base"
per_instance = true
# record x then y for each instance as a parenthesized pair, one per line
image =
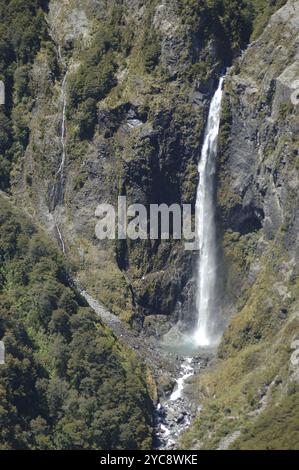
(205, 334)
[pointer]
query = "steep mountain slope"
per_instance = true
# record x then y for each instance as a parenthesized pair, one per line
(253, 390)
(107, 98)
(66, 382)
(136, 79)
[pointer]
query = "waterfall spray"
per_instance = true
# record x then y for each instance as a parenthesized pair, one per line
(206, 293)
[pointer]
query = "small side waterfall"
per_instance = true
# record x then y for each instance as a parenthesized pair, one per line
(63, 126)
(57, 190)
(207, 308)
(58, 186)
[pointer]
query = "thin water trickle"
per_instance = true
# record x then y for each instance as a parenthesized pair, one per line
(63, 126)
(57, 193)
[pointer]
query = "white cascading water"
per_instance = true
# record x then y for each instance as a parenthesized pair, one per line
(60, 171)
(57, 193)
(206, 301)
(63, 125)
(174, 416)
(186, 372)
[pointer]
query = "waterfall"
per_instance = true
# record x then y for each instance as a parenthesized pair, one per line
(57, 191)
(60, 237)
(206, 290)
(63, 122)
(57, 194)
(58, 186)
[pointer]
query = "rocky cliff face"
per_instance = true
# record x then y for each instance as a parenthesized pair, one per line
(113, 101)
(258, 208)
(136, 80)
(258, 166)
(121, 93)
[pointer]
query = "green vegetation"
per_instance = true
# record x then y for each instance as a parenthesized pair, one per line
(276, 428)
(118, 38)
(233, 23)
(112, 42)
(261, 12)
(151, 51)
(151, 41)
(285, 110)
(21, 32)
(249, 392)
(67, 383)
(93, 79)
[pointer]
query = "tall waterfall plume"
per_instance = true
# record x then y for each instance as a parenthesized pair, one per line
(207, 308)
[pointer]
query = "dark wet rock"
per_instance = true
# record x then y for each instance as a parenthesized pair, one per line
(180, 418)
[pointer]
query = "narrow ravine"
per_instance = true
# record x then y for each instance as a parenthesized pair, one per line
(174, 415)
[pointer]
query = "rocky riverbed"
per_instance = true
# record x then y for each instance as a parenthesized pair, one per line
(173, 373)
(175, 412)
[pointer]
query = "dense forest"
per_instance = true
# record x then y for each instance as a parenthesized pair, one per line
(66, 382)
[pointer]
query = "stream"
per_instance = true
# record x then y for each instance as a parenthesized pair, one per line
(174, 414)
